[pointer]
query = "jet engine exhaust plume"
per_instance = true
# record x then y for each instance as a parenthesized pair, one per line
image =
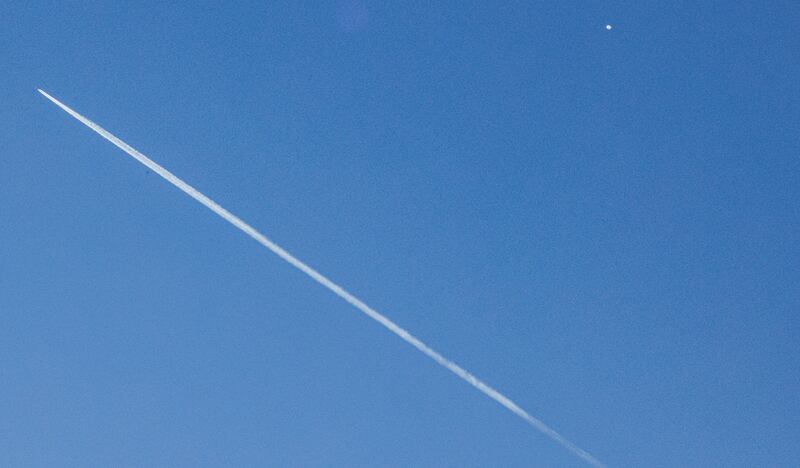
(333, 287)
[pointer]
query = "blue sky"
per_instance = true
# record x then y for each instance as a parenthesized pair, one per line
(601, 224)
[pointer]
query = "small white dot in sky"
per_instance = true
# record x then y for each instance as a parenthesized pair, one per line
(608, 27)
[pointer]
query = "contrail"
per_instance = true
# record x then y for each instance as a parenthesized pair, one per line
(335, 288)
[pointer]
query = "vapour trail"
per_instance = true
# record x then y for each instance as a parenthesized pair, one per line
(335, 288)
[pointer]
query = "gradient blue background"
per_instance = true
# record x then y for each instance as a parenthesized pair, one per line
(602, 224)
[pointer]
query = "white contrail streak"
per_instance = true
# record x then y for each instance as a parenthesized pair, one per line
(335, 288)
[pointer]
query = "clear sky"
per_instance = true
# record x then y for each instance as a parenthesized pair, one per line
(602, 224)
